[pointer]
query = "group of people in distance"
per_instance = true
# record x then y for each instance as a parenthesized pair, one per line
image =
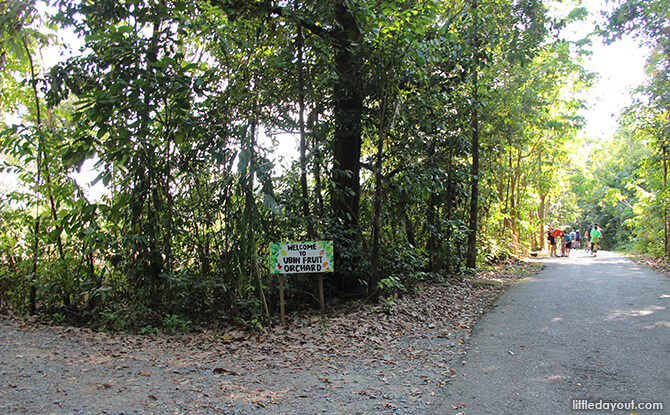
(563, 238)
(568, 240)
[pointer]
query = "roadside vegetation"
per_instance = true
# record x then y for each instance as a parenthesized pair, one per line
(427, 139)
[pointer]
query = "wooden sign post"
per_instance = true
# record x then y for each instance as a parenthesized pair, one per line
(314, 257)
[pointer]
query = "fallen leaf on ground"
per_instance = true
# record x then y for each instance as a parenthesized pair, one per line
(221, 370)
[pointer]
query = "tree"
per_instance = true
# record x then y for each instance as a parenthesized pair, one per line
(647, 20)
(513, 32)
(20, 42)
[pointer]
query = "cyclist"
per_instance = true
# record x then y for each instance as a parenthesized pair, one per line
(587, 237)
(596, 235)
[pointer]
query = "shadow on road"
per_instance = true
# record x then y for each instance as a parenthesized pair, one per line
(583, 328)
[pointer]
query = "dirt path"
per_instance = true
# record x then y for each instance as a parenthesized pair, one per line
(374, 360)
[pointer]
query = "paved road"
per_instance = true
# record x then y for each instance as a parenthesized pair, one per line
(582, 329)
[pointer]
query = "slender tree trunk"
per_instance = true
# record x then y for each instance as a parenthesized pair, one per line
(32, 294)
(506, 206)
(542, 213)
(251, 249)
(169, 202)
(377, 209)
(515, 204)
(474, 127)
(666, 214)
(303, 141)
(151, 257)
(316, 162)
(316, 279)
(409, 226)
(449, 213)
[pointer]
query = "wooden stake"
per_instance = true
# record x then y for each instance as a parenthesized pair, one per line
(321, 299)
(281, 300)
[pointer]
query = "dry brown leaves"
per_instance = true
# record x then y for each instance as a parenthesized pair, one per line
(375, 331)
(659, 264)
(371, 332)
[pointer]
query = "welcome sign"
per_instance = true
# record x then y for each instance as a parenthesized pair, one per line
(302, 257)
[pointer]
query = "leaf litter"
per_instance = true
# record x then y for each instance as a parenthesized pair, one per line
(375, 359)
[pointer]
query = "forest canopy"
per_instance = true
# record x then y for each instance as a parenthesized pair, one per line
(431, 137)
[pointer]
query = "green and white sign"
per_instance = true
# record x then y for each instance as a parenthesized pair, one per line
(302, 257)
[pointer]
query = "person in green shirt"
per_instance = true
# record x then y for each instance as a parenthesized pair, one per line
(595, 235)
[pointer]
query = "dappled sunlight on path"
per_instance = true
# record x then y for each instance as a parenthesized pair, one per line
(583, 328)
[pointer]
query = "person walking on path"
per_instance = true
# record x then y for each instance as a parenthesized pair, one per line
(596, 235)
(551, 242)
(587, 236)
(556, 235)
(564, 240)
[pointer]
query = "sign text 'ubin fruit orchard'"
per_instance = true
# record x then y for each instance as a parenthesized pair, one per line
(302, 257)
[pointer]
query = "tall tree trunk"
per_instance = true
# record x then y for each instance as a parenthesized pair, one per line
(542, 214)
(250, 215)
(169, 207)
(313, 123)
(303, 141)
(32, 295)
(507, 185)
(348, 109)
(666, 214)
(514, 204)
(347, 112)
(155, 206)
(542, 210)
(377, 208)
(471, 261)
(449, 207)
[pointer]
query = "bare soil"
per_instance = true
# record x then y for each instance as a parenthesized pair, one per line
(394, 358)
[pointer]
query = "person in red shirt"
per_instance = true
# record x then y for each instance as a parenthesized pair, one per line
(556, 233)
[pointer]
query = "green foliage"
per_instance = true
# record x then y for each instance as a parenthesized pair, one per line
(494, 252)
(176, 324)
(649, 224)
(180, 106)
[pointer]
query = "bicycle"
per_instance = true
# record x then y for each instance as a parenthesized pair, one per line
(595, 245)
